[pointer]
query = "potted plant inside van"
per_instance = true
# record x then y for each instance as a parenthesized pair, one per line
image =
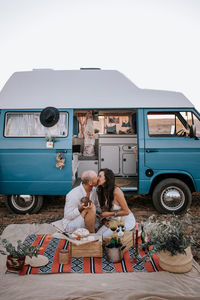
(16, 254)
(171, 239)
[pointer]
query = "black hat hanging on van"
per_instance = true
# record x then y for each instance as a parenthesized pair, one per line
(49, 116)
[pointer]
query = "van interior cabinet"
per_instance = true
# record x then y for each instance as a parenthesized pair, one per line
(85, 165)
(128, 164)
(117, 153)
(110, 158)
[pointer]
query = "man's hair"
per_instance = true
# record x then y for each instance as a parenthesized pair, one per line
(87, 176)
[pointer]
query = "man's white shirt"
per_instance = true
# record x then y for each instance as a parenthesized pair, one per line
(73, 201)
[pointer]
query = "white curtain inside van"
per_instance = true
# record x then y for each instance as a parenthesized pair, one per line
(28, 125)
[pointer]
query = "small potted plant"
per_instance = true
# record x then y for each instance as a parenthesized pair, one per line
(96, 132)
(114, 250)
(16, 254)
(49, 141)
(171, 239)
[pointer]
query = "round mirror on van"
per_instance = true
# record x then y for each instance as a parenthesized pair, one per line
(49, 116)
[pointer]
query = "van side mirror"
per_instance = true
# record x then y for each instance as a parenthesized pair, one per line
(192, 132)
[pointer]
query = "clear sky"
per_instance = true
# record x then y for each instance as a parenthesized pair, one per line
(156, 43)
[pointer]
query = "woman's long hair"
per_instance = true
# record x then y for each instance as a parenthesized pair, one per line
(106, 192)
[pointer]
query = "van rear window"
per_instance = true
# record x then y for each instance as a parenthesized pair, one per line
(27, 124)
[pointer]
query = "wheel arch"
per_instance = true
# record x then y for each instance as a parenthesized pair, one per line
(32, 209)
(181, 176)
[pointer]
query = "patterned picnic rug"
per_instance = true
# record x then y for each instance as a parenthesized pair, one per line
(50, 247)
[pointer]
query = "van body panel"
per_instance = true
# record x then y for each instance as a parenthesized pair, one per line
(141, 166)
(172, 154)
(35, 187)
(28, 167)
(146, 184)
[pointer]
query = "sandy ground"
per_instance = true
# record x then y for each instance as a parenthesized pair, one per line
(141, 206)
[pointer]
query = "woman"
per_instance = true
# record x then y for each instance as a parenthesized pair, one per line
(112, 202)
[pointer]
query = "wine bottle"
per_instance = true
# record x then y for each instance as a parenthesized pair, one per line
(136, 240)
(143, 238)
(142, 234)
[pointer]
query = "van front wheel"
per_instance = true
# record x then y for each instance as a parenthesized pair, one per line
(171, 196)
(23, 204)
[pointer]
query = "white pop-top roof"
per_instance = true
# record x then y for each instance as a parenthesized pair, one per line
(82, 89)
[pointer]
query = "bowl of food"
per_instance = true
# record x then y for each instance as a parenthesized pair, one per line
(81, 232)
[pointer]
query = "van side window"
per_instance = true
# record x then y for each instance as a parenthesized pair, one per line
(170, 123)
(27, 124)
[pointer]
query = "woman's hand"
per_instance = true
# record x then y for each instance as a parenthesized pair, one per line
(105, 214)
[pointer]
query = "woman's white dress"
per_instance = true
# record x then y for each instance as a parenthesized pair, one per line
(129, 222)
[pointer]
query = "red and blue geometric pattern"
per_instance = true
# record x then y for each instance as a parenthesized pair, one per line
(50, 248)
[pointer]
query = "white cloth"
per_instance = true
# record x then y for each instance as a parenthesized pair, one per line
(89, 138)
(72, 203)
(109, 286)
(75, 163)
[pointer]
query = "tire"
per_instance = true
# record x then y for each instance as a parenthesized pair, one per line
(171, 196)
(39, 205)
(20, 204)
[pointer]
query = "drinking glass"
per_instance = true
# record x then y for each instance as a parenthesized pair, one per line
(113, 224)
(121, 222)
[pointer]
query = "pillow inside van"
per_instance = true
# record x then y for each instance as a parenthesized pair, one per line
(111, 129)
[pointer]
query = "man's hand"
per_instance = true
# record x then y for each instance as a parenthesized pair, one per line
(106, 222)
(83, 206)
(89, 206)
(85, 201)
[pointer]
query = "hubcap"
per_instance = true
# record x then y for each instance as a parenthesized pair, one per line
(172, 198)
(22, 202)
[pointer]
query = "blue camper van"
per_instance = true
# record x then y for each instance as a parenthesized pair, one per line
(149, 138)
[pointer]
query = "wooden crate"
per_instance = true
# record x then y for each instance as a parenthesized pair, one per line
(93, 249)
(127, 240)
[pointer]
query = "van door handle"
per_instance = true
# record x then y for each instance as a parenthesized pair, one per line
(148, 151)
(61, 151)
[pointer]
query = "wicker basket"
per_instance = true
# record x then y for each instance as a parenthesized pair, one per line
(180, 263)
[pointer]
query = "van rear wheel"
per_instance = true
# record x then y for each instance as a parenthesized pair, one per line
(23, 204)
(171, 196)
